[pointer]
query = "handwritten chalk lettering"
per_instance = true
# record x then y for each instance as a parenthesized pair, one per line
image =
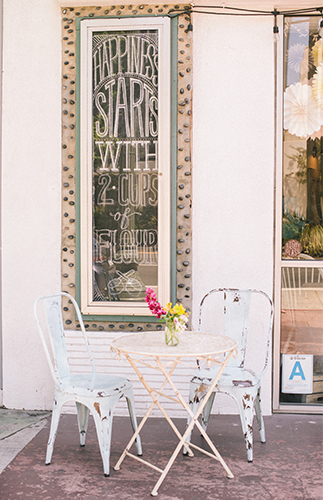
(100, 99)
(145, 153)
(131, 111)
(121, 109)
(104, 181)
(125, 282)
(127, 54)
(124, 217)
(137, 190)
(125, 152)
(137, 246)
(153, 107)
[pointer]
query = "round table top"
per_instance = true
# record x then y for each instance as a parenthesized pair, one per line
(191, 344)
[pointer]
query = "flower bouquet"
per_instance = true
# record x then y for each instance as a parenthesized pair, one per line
(176, 317)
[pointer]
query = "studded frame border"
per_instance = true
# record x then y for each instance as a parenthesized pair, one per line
(183, 159)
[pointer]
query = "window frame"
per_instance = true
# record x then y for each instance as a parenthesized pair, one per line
(89, 307)
(281, 263)
(181, 161)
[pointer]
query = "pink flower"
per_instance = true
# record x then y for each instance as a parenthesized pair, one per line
(153, 304)
(176, 315)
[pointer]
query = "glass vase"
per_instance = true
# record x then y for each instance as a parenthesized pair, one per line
(172, 334)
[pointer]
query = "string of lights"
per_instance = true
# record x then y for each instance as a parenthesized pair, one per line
(224, 10)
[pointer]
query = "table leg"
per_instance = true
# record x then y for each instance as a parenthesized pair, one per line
(193, 422)
(155, 402)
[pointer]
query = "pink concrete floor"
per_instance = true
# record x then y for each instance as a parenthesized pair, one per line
(287, 467)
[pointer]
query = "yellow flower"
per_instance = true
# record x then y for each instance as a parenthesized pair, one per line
(179, 309)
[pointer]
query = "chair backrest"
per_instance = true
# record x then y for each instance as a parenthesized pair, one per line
(236, 305)
(57, 354)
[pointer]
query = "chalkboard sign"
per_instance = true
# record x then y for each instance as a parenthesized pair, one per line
(125, 163)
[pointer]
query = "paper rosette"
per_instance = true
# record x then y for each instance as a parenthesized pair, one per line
(302, 115)
(318, 85)
(298, 55)
(318, 134)
(317, 52)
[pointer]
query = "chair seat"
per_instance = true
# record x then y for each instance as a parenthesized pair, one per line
(231, 377)
(97, 386)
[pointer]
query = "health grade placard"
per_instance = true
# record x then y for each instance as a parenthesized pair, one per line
(297, 374)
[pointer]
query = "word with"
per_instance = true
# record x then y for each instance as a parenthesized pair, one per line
(110, 150)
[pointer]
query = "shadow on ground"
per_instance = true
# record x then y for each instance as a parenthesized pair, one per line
(287, 467)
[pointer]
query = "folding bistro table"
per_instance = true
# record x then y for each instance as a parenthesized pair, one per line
(149, 349)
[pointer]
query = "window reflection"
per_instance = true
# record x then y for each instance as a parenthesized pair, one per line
(125, 164)
(302, 325)
(303, 145)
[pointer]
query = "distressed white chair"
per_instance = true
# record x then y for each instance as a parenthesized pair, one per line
(239, 381)
(95, 393)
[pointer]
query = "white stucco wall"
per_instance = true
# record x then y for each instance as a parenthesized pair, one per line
(31, 191)
(233, 168)
(233, 158)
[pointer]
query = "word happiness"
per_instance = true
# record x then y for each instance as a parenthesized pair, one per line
(129, 54)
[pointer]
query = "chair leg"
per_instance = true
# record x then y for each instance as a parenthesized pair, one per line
(193, 406)
(103, 422)
(53, 429)
(207, 410)
(260, 419)
(83, 420)
(133, 419)
(246, 408)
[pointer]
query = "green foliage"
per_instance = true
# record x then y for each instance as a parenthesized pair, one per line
(300, 157)
(312, 240)
(292, 227)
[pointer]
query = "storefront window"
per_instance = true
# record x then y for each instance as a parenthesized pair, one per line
(125, 163)
(303, 145)
(302, 223)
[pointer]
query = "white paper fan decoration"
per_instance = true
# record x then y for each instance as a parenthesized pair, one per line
(317, 52)
(318, 134)
(298, 54)
(318, 85)
(302, 115)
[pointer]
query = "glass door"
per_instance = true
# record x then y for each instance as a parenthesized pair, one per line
(299, 279)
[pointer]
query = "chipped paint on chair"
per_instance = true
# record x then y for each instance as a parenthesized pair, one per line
(238, 381)
(92, 392)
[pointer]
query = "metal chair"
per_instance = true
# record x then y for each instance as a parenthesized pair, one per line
(95, 393)
(237, 380)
